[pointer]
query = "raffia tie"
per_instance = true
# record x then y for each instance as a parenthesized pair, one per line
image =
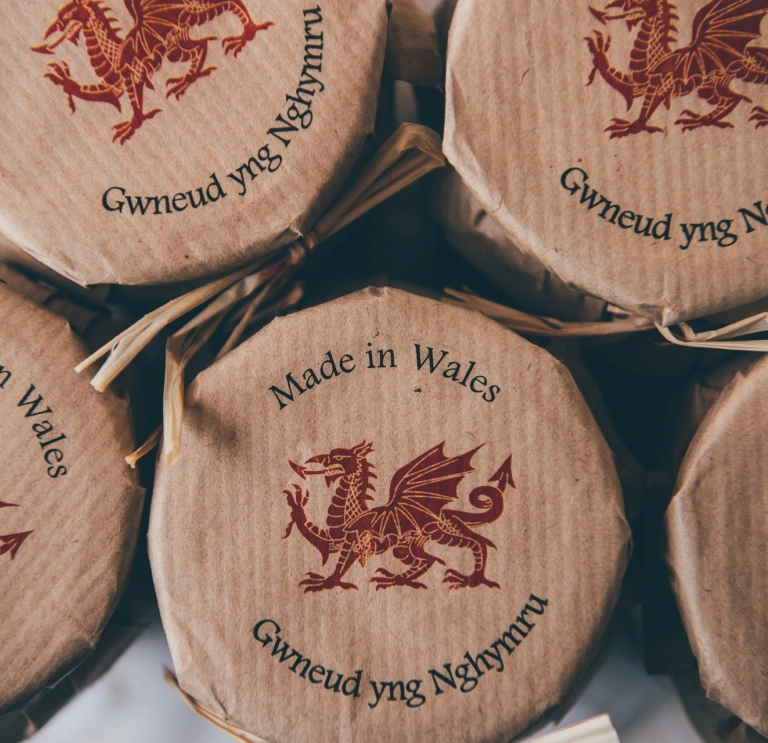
(410, 153)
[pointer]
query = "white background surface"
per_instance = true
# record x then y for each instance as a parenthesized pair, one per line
(133, 704)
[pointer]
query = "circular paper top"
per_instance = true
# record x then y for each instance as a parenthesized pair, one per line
(69, 505)
(150, 141)
(717, 527)
(491, 478)
(660, 208)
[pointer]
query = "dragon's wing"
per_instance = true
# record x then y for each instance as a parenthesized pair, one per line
(152, 20)
(721, 31)
(419, 492)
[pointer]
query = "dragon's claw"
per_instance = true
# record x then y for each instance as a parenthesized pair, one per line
(617, 124)
(296, 501)
(458, 580)
(598, 44)
(124, 130)
(691, 120)
(315, 582)
(759, 116)
(59, 74)
(60, 68)
(311, 577)
(388, 580)
(180, 85)
(236, 44)
(298, 498)
(598, 48)
(623, 128)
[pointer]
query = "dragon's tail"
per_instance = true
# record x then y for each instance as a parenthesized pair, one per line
(489, 498)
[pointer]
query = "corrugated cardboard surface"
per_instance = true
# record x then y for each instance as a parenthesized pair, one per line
(716, 524)
(478, 237)
(57, 166)
(221, 564)
(61, 585)
(520, 115)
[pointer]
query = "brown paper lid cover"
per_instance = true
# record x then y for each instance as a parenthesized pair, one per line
(69, 506)
(659, 209)
(717, 524)
(496, 509)
(147, 141)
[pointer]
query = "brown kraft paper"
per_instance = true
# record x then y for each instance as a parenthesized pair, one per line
(298, 604)
(179, 142)
(17, 259)
(716, 525)
(628, 168)
(474, 233)
(69, 511)
(407, 155)
(412, 52)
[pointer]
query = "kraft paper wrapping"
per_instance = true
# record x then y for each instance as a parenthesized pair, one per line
(81, 318)
(412, 47)
(625, 209)
(17, 259)
(696, 400)
(244, 135)
(631, 473)
(716, 525)
(411, 152)
(113, 642)
(69, 513)
(474, 233)
(226, 562)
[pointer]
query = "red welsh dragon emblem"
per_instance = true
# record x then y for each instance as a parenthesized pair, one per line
(11, 543)
(416, 514)
(718, 55)
(161, 30)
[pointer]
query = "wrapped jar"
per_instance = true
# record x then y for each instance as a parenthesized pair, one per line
(69, 513)
(176, 141)
(618, 157)
(392, 519)
(474, 233)
(716, 525)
